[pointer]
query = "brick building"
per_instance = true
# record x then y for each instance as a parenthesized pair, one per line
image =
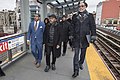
(108, 13)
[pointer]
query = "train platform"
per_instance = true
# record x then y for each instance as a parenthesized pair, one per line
(24, 69)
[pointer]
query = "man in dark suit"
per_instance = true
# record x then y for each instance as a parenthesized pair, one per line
(1, 71)
(35, 37)
(52, 42)
(84, 31)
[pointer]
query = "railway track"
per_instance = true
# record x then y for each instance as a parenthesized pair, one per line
(109, 48)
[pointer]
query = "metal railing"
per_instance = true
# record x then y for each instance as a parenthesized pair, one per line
(12, 47)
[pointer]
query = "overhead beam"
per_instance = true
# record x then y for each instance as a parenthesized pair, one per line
(39, 1)
(61, 4)
(71, 10)
(50, 0)
(58, 2)
(70, 6)
(67, 3)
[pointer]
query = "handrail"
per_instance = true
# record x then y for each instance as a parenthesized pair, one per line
(16, 47)
(12, 35)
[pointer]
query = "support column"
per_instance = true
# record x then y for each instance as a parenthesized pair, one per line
(25, 15)
(43, 10)
(63, 11)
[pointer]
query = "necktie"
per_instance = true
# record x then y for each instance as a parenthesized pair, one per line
(35, 27)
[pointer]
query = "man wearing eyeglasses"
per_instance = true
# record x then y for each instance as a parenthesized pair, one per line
(35, 37)
(83, 32)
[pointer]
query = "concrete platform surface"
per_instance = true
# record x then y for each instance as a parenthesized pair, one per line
(24, 69)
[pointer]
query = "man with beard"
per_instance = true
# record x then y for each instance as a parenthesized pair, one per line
(52, 42)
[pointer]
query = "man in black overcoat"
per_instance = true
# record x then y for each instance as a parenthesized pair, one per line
(83, 32)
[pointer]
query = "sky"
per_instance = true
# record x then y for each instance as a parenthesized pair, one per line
(7, 4)
(10, 4)
(92, 4)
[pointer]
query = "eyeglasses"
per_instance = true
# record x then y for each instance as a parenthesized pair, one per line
(82, 6)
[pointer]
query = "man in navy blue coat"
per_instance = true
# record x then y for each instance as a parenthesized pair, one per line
(35, 37)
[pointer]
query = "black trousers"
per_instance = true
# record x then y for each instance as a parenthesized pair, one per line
(45, 50)
(1, 71)
(48, 54)
(64, 47)
(76, 60)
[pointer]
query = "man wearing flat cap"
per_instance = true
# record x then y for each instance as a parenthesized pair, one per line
(52, 42)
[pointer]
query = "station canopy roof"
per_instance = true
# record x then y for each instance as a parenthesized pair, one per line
(68, 5)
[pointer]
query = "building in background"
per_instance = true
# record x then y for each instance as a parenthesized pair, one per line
(1, 21)
(18, 14)
(99, 14)
(34, 7)
(8, 21)
(108, 13)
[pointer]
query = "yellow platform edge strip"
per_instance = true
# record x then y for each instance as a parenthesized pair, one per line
(97, 68)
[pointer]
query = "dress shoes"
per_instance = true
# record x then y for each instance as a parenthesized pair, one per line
(47, 68)
(75, 74)
(35, 62)
(38, 65)
(0, 62)
(63, 54)
(81, 66)
(1, 72)
(53, 67)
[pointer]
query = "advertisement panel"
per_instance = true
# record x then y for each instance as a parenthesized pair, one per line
(14, 42)
(11, 43)
(3, 47)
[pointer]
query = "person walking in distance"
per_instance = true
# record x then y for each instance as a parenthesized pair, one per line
(65, 26)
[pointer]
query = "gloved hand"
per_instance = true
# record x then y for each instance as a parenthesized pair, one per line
(93, 38)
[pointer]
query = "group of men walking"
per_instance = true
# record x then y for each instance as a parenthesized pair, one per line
(51, 33)
(54, 35)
